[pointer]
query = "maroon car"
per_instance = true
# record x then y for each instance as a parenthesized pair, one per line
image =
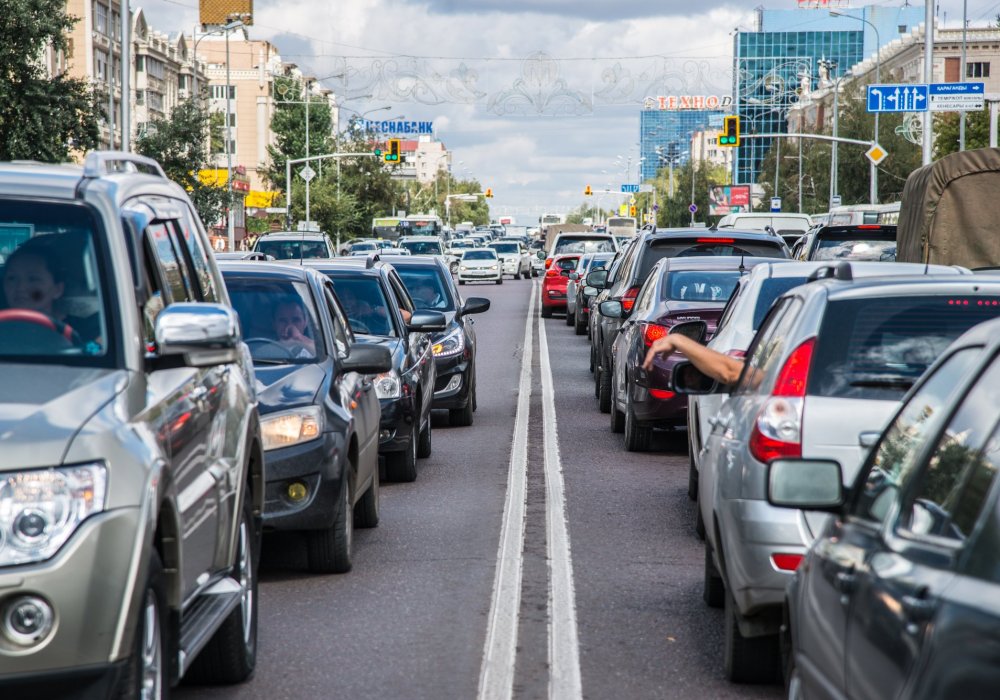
(677, 290)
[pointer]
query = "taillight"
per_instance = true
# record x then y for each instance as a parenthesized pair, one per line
(651, 332)
(548, 263)
(786, 562)
(737, 353)
(777, 432)
(628, 299)
(661, 394)
(552, 272)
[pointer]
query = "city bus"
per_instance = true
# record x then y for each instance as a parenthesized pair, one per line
(420, 225)
(385, 227)
(549, 219)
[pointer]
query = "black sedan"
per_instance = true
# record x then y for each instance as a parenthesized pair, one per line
(318, 414)
(433, 289)
(381, 312)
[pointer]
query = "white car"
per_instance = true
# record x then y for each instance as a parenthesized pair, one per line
(514, 257)
(480, 265)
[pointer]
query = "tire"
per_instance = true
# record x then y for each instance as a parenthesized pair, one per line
(637, 437)
(713, 590)
(461, 281)
(461, 417)
(592, 364)
(578, 326)
(475, 401)
(402, 466)
(699, 523)
(604, 389)
(148, 664)
(500, 281)
(517, 275)
(748, 659)
(424, 444)
(366, 510)
(570, 318)
(546, 312)
(329, 550)
(231, 654)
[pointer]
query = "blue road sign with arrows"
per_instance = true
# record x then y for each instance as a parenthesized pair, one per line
(630, 188)
(897, 98)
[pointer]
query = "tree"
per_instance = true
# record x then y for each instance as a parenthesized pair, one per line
(946, 126)
(674, 210)
(289, 127)
(180, 144)
(41, 118)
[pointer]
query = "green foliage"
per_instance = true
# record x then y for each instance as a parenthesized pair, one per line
(946, 126)
(41, 118)
(180, 144)
(289, 127)
(674, 209)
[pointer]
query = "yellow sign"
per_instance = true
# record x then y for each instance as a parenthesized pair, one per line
(220, 12)
(261, 200)
(876, 154)
(623, 210)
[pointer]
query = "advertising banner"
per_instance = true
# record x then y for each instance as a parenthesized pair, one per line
(728, 199)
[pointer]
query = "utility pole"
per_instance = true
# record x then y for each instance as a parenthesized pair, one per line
(126, 67)
(928, 136)
(962, 71)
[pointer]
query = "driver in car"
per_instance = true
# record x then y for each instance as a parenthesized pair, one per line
(426, 295)
(290, 324)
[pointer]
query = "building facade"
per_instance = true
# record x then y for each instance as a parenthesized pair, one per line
(164, 71)
(705, 148)
(423, 159)
(666, 129)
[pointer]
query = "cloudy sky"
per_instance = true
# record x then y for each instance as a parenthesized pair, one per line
(535, 98)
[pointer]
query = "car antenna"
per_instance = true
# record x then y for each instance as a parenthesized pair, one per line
(743, 268)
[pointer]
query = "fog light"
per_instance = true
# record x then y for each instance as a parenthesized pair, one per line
(27, 620)
(384, 435)
(297, 491)
(454, 383)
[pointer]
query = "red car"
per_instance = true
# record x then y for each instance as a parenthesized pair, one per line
(554, 283)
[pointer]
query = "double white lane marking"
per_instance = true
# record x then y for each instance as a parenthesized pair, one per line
(496, 680)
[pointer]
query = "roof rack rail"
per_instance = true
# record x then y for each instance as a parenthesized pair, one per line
(100, 163)
(839, 271)
(371, 260)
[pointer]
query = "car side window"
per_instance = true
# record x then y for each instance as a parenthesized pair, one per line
(727, 310)
(341, 336)
(894, 458)
(399, 291)
(644, 300)
(953, 487)
(171, 262)
(768, 348)
(191, 234)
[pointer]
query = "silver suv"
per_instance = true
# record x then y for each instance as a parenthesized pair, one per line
(824, 373)
(130, 452)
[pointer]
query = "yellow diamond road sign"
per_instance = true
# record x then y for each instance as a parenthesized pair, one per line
(876, 154)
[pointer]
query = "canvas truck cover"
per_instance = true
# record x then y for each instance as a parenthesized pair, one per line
(950, 214)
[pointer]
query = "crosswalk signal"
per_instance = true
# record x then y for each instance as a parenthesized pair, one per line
(588, 191)
(730, 137)
(392, 155)
(489, 193)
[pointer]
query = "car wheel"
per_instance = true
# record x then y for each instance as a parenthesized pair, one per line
(747, 659)
(517, 275)
(366, 512)
(329, 550)
(424, 444)
(617, 417)
(461, 417)
(592, 367)
(402, 466)
(570, 317)
(146, 674)
(699, 523)
(637, 437)
(546, 312)
(500, 281)
(713, 590)
(231, 655)
(604, 388)
(578, 326)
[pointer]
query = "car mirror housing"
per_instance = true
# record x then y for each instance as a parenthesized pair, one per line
(540, 255)
(427, 322)
(475, 305)
(367, 359)
(598, 279)
(611, 309)
(805, 484)
(695, 330)
(590, 292)
(203, 334)
(688, 379)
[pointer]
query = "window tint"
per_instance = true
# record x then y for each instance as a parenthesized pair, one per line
(341, 338)
(644, 300)
(768, 346)
(696, 285)
(959, 474)
(422, 247)
(770, 290)
(506, 248)
(479, 255)
(876, 348)
(426, 288)
(166, 251)
(697, 247)
(565, 263)
(365, 304)
(880, 247)
(278, 317)
(894, 457)
(292, 249)
(583, 244)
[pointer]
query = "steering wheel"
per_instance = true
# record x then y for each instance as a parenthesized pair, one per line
(359, 326)
(268, 341)
(63, 330)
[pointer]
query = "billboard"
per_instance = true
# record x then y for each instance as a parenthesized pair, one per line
(220, 12)
(681, 102)
(728, 199)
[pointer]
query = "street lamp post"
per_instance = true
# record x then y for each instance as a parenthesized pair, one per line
(832, 66)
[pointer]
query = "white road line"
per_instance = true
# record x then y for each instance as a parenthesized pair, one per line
(496, 677)
(564, 645)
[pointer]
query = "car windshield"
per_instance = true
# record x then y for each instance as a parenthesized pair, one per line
(855, 248)
(278, 318)
(365, 304)
(510, 248)
(427, 288)
(566, 263)
(877, 348)
(574, 244)
(53, 297)
(422, 247)
(769, 291)
(362, 247)
(698, 285)
(479, 255)
(291, 249)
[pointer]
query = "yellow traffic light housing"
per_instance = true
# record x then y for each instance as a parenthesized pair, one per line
(489, 193)
(588, 191)
(391, 154)
(730, 136)
(631, 210)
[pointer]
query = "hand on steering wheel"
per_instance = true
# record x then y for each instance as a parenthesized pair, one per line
(63, 330)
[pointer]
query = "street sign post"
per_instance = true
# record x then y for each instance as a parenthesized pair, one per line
(630, 188)
(955, 97)
(897, 98)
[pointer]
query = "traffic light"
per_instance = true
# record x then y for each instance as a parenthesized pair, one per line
(378, 152)
(489, 193)
(730, 137)
(631, 210)
(588, 191)
(392, 155)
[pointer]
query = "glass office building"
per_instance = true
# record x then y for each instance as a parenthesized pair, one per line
(665, 135)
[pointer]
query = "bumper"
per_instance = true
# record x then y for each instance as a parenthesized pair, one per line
(313, 464)
(87, 584)
(659, 411)
(85, 683)
(451, 389)
(479, 275)
(752, 531)
(396, 425)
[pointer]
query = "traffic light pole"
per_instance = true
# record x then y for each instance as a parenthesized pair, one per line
(288, 179)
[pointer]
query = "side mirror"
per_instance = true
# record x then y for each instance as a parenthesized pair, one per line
(695, 330)
(575, 276)
(367, 359)
(427, 322)
(590, 292)
(688, 379)
(540, 255)
(203, 334)
(598, 278)
(805, 484)
(611, 309)
(474, 305)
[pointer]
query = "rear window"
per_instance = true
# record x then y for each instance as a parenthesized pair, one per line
(877, 348)
(292, 249)
(695, 285)
(505, 247)
(583, 244)
(566, 263)
(769, 291)
(422, 247)
(696, 247)
(857, 245)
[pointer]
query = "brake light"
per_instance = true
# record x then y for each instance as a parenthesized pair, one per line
(651, 332)
(661, 394)
(777, 432)
(552, 272)
(716, 240)
(628, 299)
(868, 226)
(786, 562)
(548, 263)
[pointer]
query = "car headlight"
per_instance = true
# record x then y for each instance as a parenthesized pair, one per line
(388, 385)
(493, 267)
(291, 427)
(463, 267)
(41, 508)
(450, 344)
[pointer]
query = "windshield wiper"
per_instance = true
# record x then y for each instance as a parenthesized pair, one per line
(266, 361)
(885, 382)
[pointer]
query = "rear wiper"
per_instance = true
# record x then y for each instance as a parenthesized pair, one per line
(885, 382)
(260, 361)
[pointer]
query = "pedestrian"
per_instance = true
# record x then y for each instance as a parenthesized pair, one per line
(722, 368)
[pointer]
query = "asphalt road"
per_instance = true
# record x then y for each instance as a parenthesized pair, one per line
(412, 619)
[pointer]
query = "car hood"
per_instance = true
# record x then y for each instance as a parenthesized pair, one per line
(43, 407)
(478, 263)
(286, 386)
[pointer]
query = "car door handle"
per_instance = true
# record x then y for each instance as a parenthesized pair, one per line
(918, 608)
